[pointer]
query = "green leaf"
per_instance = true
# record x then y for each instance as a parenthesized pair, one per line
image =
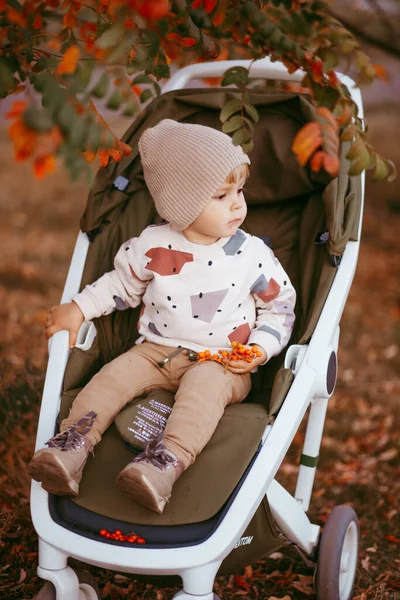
(162, 70)
(94, 137)
(115, 100)
(101, 87)
(131, 68)
(233, 124)
(142, 78)
(84, 72)
(111, 37)
(145, 95)
(330, 59)
(131, 108)
(7, 80)
(248, 146)
(78, 133)
(66, 117)
(235, 75)
(229, 109)
(238, 137)
(41, 81)
(15, 4)
(37, 119)
(381, 168)
(252, 111)
(40, 65)
(157, 88)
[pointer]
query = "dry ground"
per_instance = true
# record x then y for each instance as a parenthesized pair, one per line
(359, 457)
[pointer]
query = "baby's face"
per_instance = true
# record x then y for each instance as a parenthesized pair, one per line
(221, 217)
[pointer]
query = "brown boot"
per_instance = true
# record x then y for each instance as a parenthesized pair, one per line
(149, 477)
(59, 467)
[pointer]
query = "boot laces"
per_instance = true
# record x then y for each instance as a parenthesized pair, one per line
(73, 438)
(157, 454)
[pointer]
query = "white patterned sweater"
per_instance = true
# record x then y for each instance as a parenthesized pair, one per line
(195, 296)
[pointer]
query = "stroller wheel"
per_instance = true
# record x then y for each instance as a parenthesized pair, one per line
(88, 589)
(338, 554)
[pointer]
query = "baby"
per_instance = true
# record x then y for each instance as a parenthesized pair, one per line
(203, 283)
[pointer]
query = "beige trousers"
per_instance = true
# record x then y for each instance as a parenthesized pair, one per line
(202, 391)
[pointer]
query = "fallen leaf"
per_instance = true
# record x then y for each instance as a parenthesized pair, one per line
(391, 538)
(365, 563)
(22, 576)
(388, 454)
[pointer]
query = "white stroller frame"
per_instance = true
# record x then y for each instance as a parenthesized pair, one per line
(197, 565)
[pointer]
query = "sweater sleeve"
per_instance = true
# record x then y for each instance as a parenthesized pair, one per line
(275, 299)
(121, 288)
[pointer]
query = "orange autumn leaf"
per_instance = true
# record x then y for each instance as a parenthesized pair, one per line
(209, 5)
(18, 89)
(136, 89)
(37, 22)
(326, 114)
(69, 61)
(317, 160)
(23, 138)
(306, 142)
(381, 72)
(89, 155)
(70, 19)
(43, 165)
(15, 17)
(331, 164)
(115, 154)
(186, 42)
(218, 18)
(103, 157)
(345, 116)
(54, 44)
(154, 10)
(125, 148)
(17, 108)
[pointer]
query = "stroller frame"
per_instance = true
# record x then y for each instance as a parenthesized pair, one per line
(314, 366)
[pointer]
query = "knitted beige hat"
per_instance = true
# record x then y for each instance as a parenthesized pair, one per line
(183, 165)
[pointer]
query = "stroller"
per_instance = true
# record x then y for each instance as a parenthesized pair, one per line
(227, 509)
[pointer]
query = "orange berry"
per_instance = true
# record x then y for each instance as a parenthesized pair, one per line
(224, 353)
(249, 360)
(259, 353)
(234, 357)
(207, 353)
(255, 349)
(247, 351)
(200, 354)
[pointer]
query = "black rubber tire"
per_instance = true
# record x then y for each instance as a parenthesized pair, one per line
(330, 550)
(48, 591)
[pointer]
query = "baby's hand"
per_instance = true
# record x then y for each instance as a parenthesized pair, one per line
(242, 366)
(65, 316)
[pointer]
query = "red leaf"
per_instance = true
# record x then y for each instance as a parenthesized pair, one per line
(241, 582)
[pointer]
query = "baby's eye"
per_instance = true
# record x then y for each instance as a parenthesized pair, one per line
(220, 197)
(241, 191)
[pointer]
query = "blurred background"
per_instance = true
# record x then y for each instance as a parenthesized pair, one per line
(359, 463)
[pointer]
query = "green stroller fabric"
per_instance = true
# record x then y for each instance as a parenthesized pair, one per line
(288, 205)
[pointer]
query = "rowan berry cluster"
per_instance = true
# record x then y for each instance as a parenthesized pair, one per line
(120, 537)
(238, 352)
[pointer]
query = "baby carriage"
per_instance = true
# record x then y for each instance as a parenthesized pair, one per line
(227, 509)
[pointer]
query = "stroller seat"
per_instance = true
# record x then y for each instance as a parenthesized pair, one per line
(290, 208)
